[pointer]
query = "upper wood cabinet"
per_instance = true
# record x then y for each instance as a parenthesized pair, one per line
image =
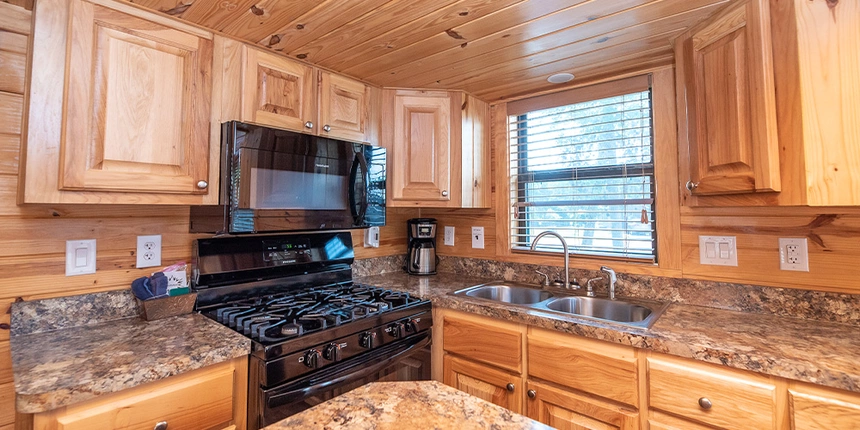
(438, 144)
(122, 115)
(727, 83)
(768, 103)
(279, 92)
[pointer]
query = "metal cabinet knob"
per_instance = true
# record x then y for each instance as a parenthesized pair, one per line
(161, 425)
(531, 393)
(326, 128)
(202, 185)
(692, 186)
(510, 387)
(309, 125)
(705, 403)
(444, 193)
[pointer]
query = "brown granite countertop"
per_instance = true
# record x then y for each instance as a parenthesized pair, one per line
(69, 365)
(813, 351)
(407, 405)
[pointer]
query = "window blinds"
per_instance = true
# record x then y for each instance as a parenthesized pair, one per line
(586, 171)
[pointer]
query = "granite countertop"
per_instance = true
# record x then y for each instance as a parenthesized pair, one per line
(407, 405)
(68, 365)
(819, 352)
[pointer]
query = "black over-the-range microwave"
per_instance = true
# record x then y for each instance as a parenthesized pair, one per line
(276, 180)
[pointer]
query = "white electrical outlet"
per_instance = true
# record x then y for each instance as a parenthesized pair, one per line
(478, 237)
(718, 250)
(793, 254)
(148, 251)
(449, 235)
(371, 237)
(80, 257)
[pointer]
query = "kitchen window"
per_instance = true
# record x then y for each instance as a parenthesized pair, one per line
(582, 165)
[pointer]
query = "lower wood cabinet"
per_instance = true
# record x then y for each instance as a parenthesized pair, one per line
(484, 382)
(565, 409)
(214, 397)
(812, 407)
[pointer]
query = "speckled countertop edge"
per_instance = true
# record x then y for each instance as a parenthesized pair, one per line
(62, 367)
(812, 351)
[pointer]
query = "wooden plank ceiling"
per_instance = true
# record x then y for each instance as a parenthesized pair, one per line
(494, 49)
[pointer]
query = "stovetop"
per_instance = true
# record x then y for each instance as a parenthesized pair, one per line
(284, 316)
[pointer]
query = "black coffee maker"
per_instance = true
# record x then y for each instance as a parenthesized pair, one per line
(421, 246)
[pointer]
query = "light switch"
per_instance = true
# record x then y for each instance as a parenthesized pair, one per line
(80, 257)
(718, 250)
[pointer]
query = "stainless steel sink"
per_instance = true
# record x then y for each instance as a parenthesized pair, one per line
(507, 292)
(637, 313)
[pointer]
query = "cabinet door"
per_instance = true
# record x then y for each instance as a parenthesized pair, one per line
(813, 407)
(421, 151)
(136, 115)
(484, 382)
(343, 107)
(277, 91)
(730, 98)
(568, 410)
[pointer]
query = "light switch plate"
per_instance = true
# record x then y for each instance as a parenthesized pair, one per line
(148, 251)
(478, 237)
(80, 257)
(793, 254)
(718, 250)
(449, 236)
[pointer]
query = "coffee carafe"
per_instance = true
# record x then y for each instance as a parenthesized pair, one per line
(421, 246)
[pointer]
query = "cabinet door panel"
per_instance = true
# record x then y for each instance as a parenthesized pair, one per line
(816, 408)
(422, 148)
(277, 91)
(343, 107)
(484, 382)
(568, 410)
(731, 103)
(137, 110)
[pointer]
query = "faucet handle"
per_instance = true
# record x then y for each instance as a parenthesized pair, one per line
(545, 282)
(590, 288)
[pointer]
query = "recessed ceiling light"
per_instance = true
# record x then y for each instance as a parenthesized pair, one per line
(560, 78)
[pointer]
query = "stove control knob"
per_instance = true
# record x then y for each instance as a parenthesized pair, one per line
(397, 330)
(312, 359)
(332, 352)
(411, 325)
(367, 340)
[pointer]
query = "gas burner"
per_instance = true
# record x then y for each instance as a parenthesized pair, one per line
(287, 315)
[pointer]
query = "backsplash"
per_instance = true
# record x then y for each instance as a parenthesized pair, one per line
(39, 316)
(790, 302)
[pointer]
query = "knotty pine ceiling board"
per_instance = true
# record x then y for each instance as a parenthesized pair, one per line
(494, 49)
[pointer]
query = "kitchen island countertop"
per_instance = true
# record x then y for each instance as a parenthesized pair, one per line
(407, 405)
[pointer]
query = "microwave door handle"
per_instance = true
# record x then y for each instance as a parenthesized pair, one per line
(276, 400)
(361, 162)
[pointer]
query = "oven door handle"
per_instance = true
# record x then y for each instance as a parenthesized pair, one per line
(275, 400)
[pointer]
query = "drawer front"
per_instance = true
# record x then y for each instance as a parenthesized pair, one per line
(822, 408)
(588, 365)
(193, 401)
(499, 346)
(737, 399)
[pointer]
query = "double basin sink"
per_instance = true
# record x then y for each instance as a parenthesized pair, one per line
(639, 314)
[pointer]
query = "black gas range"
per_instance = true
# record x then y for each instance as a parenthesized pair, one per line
(315, 333)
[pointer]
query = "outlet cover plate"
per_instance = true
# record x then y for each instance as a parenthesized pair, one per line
(793, 254)
(371, 237)
(148, 251)
(478, 237)
(449, 236)
(80, 257)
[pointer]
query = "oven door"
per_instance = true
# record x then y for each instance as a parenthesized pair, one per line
(408, 360)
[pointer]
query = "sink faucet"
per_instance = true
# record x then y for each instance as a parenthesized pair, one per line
(612, 280)
(566, 253)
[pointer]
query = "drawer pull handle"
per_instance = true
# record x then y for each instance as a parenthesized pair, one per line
(704, 403)
(161, 425)
(532, 394)
(510, 387)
